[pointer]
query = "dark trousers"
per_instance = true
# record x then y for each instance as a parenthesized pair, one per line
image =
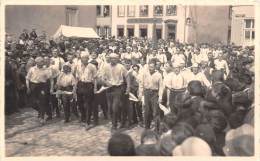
(67, 104)
(136, 109)
(85, 94)
(126, 112)
(39, 95)
(176, 100)
(114, 96)
(100, 100)
(151, 108)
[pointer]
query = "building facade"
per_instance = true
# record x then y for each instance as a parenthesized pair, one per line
(190, 24)
(104, 20)
(47, 18)
(243, 25)
(138, 21)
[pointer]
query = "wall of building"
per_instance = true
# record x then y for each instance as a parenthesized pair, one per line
(239, 14)
(44, 18)
(122, 21)
(209, 24)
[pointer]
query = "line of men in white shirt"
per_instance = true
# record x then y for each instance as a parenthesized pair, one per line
(124, 73)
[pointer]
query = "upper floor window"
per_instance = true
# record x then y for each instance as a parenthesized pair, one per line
(121, 11)
(158, 10)
(71, 16)
(143, 10)
(171, 10)
(130, 11)
(106, 11)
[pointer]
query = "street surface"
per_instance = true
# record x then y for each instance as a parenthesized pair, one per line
(26, 137)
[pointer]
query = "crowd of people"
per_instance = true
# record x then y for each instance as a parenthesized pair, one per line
(183, 95)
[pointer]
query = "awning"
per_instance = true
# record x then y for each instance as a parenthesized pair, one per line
(78, 32)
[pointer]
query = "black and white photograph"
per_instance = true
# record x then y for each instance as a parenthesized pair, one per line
(129, 80)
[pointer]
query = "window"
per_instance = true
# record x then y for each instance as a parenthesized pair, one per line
(158, 34)
(120, 32)
(171, 10)
(71, 16)
(143, 32)
(130, 11)
(143, 10)
(121, 11)
(130, 32)
(107, 31)
(98, 10)
(106, 11)
(158, 10)
(249, 29)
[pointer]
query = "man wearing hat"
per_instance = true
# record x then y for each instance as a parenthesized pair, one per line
(36, 82)
(86, 76)
(114, 76)
(195, 74)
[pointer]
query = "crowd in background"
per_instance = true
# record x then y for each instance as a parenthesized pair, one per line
(184, 95)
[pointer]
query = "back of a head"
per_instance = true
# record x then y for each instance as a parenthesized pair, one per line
(148, 150)
(121, 145)
(181, 131)
(193, 146)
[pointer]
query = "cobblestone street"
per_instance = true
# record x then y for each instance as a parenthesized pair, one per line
(26, 137)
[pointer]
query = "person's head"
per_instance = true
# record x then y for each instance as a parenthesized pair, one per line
(204, 64)
(154, 51)
(195, 88)
(192, 146)
(149, 137)
(55, 53)
(160, 51)
(217, 120)
(39, 62)
(176, 69)
(152, 65)
(210, 55)
(240, 141)
(47, 61)
(181, 131)
(121, 50)
(158, 65)
(168, 66)
(128, 49)
(84, 59)
(66, 69)
(70, 58)
(127, 64)
(206, 132)
(94, 55)
(136, 68)
(195, 68)
(114, 58)
(121, 145)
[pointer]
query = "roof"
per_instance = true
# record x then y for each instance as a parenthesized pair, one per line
(79, 32)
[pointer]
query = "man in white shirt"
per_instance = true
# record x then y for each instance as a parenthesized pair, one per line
(176, 87)
(151, 87)
(198, 57)
(161, 56)
(86, 77)
(221, 64)
(114, 75)
(199, 76)
(178, 58)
